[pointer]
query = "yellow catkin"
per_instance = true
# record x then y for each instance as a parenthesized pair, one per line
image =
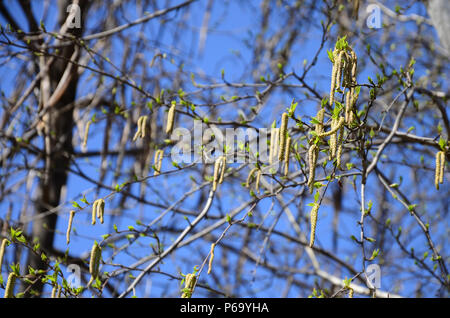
(320, 116)
(139, 128)
(86, 133)
(94, 212)
(69, 226)
(274, 139)
(333, 129)
(333, 140)
(211, 257)
(58, 294)
(143, 126)
(249, 178)
(158, 161)
(312, 158)
(189, 283)
(94, 262)
(283, 135)
(437, 171)
(9, 289)
(54, 290)
(340, 62)
(333, 78)
(348, 103)
(354, 65)
(313, 219)
(441, 174)
(2, 252)
(350, 292)
(339, 148)
(222, 169)
(216, 173)
(286, 156)
(258, 178)
(170, 118)
(101, 210)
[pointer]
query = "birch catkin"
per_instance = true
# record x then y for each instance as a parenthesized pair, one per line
(333, 129)
(94, 262)
(439, 169)
(286, 156)
(274, 139)
(211, 257)
(339, 149)
(333, 140)
(217, 165)
(101, 210)
(189, 283)
(86, 133)
(442, 164)
(2, 252)
(313, 219)
(333, 78)
(283, 134)
(98, 210)
(94, 212)
(142, 127)
(9, 289)
(171, 118)
(157, 161)
(320, 116)
(222, 170)
(249, 177)
(258, 178)
(312, 159)
(69, 226)
(339, 69)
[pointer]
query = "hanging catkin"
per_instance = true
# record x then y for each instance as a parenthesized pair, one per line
(313, 219)
(320, 116)
(54, 290)
(94, 262)
(222, 170)
(9, 289)
(86, 133)
(2, 252)
(286, 156)
(216, 176)
(274, 139)
(69, 226)
(249, 177)
(157, 161)
(312, 159)
(94, 211)
(339, 149)
(333, 78)
(439, 169)
(340, 64)
(441, 174)
(333, 140)
(258, 178)
(189, 283)
(171, 117)
(142, 127)
(211, 257)
(283, 134)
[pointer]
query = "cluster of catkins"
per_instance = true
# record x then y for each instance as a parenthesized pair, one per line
(280, 146)
(343, 80)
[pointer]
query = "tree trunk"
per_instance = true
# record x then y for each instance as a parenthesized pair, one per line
(58, 120)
